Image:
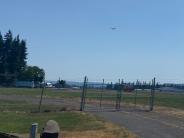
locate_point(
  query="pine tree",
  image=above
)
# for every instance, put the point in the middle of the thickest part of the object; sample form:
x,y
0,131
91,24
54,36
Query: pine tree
x,y
1,59
22,55
13,55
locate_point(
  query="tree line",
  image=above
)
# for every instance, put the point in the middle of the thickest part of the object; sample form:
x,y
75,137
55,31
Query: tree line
x,y
13,65
131,86
141,85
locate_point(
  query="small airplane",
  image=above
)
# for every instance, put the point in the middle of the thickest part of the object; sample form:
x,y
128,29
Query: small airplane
x,y
113,28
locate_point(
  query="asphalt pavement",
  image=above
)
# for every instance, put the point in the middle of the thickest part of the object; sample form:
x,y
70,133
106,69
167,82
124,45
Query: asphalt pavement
x,y
146,124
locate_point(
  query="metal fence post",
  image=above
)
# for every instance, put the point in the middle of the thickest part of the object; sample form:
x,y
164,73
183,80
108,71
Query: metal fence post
x,y
152,98
121,90
101,94
118,98
135,98
33,131
83,94
41,97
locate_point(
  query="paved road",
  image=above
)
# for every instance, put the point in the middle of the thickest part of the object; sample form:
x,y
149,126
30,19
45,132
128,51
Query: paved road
x,y
147,124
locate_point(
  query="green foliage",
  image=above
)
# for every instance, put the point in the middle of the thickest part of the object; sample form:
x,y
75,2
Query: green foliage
x,y
109,86
13,55
61,84
32,73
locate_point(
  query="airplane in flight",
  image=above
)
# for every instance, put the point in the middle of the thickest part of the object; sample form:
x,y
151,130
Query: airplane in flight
x,y
113,28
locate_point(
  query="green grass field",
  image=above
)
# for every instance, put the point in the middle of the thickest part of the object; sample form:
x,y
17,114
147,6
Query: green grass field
x,y
16,115
161,99
170,100
18,122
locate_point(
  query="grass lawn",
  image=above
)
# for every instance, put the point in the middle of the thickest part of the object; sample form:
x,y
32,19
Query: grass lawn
x,y
20,122
16,116
22,106
161,99
72,124
170,100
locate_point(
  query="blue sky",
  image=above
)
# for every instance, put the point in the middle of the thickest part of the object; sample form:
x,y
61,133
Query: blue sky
x,y
72,38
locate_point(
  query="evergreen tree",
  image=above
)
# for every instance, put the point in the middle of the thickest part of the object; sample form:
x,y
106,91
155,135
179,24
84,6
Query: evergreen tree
x,y
1,59
22,55
13,53
32,73
7,57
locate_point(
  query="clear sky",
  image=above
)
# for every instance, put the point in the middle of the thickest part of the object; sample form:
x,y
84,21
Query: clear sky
x,y
73,38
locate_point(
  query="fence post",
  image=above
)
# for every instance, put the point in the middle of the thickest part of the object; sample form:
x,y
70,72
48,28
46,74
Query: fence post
x,y
85,91
40,103
135,99
83,94
120,91
33,131
101,93
118,98
152,98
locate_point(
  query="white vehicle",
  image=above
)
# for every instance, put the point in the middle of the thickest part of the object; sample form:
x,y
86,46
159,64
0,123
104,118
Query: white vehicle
x,y
49,85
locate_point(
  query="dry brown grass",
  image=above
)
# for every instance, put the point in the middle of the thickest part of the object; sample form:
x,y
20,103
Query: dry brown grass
x,y
110,131
170,111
